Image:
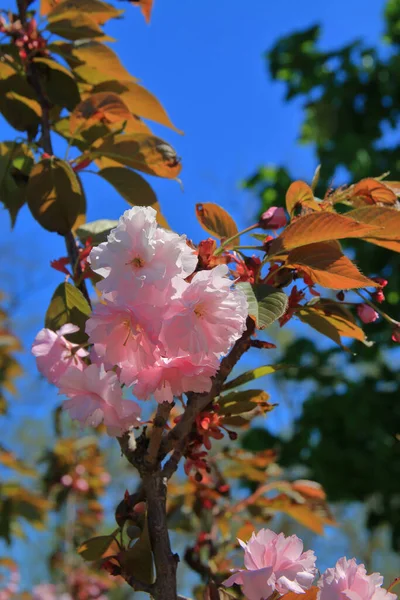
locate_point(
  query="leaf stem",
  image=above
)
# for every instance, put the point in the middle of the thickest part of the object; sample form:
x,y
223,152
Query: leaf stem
x,y
226,243
377,309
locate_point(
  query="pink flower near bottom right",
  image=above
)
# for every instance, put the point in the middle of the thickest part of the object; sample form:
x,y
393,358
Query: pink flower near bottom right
x,y
349,580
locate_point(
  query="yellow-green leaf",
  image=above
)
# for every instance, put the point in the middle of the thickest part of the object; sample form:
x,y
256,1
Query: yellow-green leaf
x,y
138,560
251,375
55,196
94,548
68,305
100,12
98,63
97,231
16,161
74,25
217,221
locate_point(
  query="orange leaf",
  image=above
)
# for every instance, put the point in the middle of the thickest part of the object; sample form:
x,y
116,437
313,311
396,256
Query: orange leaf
x,y
103,106
387,219
312,489
327,266
216,221
371,191
319,227
245,532
394,186
300,194
146,6
333,320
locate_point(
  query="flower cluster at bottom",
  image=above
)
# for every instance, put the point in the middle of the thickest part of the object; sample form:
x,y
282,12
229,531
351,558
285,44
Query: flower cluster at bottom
x,y
277,564
160,327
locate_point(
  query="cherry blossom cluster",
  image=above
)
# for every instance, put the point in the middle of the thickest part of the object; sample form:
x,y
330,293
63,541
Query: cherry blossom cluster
x,y
160,328
275,564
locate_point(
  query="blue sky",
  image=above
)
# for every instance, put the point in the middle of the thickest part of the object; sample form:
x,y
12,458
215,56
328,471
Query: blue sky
x,y
203,59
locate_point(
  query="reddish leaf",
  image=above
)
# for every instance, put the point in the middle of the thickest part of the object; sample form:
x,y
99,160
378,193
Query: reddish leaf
x,y
310,594
146,6
300,194
387,219
371,191
319,227
216,221
327,266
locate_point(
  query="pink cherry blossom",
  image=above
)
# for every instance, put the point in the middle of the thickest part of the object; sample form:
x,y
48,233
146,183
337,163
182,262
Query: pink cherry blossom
x,y
273,218
274,563
207,315
170,377
366,313
95,396
123,334
350,580
55,354
137,254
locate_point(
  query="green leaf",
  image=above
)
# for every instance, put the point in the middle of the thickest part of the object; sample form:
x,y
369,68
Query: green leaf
x,y
55,196
266,303
18,100
16,161
252,374
94,548
138,560
59,83
68,305
96,230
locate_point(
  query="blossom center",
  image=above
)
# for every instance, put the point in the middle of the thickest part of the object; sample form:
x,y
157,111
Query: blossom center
x,y
137,262
199,310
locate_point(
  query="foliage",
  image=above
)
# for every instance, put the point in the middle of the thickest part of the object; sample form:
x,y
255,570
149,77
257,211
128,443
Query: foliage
x,y
102,116
350,113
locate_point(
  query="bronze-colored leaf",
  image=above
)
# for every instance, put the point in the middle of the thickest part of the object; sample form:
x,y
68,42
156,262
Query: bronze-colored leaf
x,y
319,227
387,222
99,11
325,264
103,106
54,195
300,195
145,153
217,221
140,101
98,63
372,191
59,83
18,100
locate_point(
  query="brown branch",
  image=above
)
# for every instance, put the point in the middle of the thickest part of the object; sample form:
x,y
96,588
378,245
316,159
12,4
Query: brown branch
x,y
172,464
198,402
155,486
159,423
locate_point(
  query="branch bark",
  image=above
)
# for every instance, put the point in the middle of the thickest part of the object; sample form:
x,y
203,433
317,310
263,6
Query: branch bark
x,y
155,486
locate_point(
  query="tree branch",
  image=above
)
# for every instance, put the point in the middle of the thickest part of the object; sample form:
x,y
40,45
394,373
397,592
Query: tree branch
x,y
159,422
155,486
198,402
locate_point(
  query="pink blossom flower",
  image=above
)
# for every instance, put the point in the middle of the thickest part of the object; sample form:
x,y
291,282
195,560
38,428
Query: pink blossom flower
x,y
95,396
207,316
54,353
137,254
170,377
274,563
66,480
122,334
366,313
273,218
350,580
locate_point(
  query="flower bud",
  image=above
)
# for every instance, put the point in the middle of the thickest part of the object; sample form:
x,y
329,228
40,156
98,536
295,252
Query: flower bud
x,y
273,218
366,313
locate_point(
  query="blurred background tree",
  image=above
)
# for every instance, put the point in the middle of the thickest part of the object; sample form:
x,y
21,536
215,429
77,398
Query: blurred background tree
x,y
346,436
